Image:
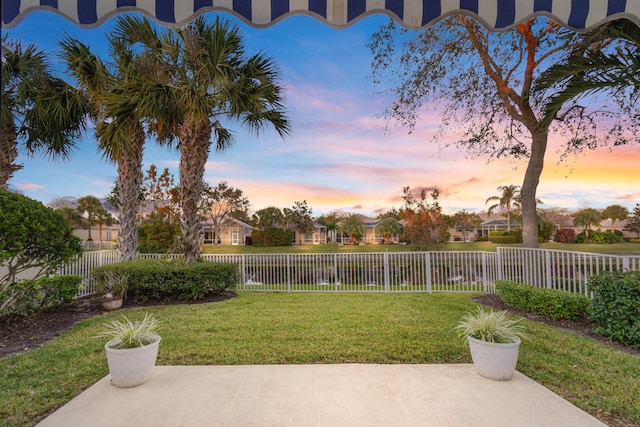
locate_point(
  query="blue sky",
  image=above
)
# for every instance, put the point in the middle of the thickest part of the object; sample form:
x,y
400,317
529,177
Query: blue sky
x,y
339,156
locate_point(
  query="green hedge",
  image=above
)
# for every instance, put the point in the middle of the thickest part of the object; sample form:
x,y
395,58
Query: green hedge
x,y
29,296
616,306
504,239
549,303
513,236
272,237
174,279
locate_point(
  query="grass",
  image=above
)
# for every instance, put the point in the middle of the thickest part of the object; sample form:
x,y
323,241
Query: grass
x,y
274,328
618,248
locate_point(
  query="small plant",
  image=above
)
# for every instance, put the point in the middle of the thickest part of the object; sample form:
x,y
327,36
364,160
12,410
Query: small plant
x,y
113,284
131,334
492,326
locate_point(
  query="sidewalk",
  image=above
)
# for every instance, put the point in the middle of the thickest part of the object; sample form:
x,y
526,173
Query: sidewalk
x,y
321,395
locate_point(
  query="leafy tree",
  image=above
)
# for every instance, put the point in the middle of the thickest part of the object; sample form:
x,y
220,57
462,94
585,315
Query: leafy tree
x,y
92,207
633,222
614,213
288,217
467,222
353,226
202,76
67,210
587,218
485,80
38,109
219,204
302,218
425,223
606,59
116,108
508,200
388,228
160,194
158,234
34,240
391,213
270,217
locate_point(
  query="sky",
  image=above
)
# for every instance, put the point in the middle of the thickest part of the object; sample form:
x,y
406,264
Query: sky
x,y
342,155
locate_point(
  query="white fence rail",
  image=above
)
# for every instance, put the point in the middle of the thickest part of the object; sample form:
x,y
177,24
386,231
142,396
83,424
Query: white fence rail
x,y
452,271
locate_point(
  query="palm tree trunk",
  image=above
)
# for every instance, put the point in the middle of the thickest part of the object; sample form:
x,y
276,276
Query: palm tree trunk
x,y
129,184
8,153
194,152
529,187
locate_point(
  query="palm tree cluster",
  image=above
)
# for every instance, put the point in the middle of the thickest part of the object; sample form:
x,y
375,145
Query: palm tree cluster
x,y
183,87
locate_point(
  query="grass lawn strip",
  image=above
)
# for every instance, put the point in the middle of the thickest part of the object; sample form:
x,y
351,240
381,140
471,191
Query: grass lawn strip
x,y
281,328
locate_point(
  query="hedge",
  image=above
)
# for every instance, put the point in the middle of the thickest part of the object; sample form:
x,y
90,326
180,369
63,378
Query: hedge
x,y
550,303
29,296
616,306
272,237
174,279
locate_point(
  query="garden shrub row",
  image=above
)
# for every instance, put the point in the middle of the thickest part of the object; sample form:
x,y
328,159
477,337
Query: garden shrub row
x,y
549,303
272,237
164,280
616,306
601,237
25,297
503,237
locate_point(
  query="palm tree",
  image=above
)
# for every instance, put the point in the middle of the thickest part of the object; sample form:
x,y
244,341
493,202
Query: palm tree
x,y
509,200
92,206
587,218
353,226
120,129
203,76
592,69
614,213
387,228
39,109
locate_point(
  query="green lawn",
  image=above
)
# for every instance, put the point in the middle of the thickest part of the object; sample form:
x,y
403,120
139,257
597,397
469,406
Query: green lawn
x,y
271,328
618,248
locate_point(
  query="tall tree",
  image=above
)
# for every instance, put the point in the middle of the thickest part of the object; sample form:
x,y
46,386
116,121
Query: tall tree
x,y
614,213
508,200
425,223
116,108
633,222
587,218
219,204
92,207
203,76
302,218
485,81
270,217
467,222
353,226
39,112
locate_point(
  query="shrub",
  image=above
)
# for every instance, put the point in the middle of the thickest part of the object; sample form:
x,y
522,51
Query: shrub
x,y
550,303
513,236
616,306
566,235
29,296
272,237
604,238
174,279
158,235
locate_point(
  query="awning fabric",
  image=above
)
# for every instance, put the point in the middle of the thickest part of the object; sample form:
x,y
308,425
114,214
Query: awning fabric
x,y
494,14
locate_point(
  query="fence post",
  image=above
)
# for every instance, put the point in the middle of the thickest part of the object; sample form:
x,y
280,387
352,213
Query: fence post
x,y
386,271
427,269
547,261
626,266
500,272
242,271
288,272
484,271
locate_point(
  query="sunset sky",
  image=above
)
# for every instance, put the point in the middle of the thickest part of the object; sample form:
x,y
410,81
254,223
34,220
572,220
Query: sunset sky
x,y
340,156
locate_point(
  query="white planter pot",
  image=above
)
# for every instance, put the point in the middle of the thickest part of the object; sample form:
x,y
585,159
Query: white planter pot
x,y
130,367
494,361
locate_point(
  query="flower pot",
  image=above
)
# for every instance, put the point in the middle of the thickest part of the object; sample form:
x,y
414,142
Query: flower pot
x,y
130,367
494,361
112,303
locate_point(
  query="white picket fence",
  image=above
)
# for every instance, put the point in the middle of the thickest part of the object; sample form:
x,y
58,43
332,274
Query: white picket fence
x,y
450,271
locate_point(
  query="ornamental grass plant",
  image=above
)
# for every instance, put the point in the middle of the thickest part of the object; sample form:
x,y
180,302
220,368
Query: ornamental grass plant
x,y
131,334
490,326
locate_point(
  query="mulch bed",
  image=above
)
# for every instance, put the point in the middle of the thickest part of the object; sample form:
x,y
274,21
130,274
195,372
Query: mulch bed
x,y
25,334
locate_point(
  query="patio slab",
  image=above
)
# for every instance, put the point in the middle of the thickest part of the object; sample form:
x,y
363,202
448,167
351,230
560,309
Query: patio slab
x,y
321,395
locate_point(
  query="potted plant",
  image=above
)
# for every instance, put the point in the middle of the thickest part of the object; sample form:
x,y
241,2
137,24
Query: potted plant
x,y
494,341
113,286
132,350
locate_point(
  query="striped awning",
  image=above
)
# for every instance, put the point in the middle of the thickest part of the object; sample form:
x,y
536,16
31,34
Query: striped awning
x,y
494,14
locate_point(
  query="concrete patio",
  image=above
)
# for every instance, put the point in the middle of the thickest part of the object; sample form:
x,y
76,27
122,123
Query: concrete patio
x,y
321,395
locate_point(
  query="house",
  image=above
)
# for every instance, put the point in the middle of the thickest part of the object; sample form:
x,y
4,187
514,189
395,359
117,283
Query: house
x,y
371,232
104,237
231,232
316,237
